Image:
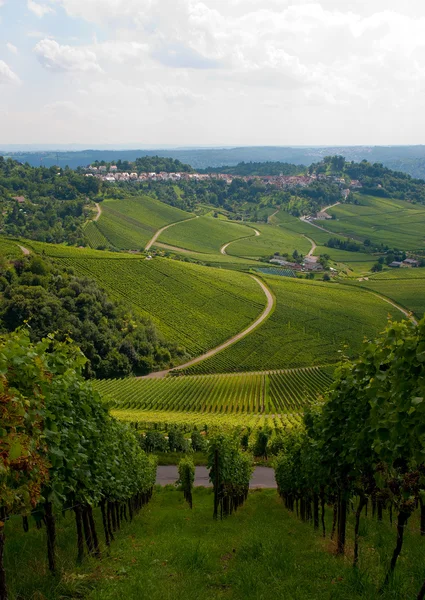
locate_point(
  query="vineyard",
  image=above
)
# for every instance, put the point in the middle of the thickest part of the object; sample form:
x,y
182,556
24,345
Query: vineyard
x,y
205,235
94,236
271,239
394,222
9,248
196,307
404,286
312,324
131,223
264,393
280,272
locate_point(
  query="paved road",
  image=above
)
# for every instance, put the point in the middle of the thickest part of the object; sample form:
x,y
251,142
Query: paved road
x,y
269,307
223,248
263,477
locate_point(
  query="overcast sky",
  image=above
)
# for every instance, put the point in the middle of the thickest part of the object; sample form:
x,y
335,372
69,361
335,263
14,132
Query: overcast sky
x,y
212,72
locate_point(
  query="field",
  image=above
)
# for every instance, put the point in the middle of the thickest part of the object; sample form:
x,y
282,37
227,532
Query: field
x,y
94,236
404,286
169,551
312,324
272,239
196,307
205,234
395,223
131,223
267,393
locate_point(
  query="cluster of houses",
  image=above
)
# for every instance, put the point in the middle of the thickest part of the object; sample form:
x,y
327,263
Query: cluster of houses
x,y
407,262
112,174
310,264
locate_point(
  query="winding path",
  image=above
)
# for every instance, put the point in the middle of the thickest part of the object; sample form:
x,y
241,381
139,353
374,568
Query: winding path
x,y
406,313
269,219
25,250
158,233
266,312
313,245
99,212
223,248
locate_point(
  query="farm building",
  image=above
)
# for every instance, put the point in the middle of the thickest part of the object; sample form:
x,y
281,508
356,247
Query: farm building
x,y
411,262
395,264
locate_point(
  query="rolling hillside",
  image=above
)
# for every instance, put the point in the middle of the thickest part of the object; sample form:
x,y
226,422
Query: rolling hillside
x,y
129,224
312,324
395,223
206,234
197,307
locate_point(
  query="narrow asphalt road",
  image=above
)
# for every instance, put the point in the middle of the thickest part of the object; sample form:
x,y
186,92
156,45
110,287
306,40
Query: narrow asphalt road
x,y
235,338
158,233
25,250
263,477
313,245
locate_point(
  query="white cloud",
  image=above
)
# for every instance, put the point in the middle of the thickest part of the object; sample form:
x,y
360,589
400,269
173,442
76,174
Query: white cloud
x,y
56,57
7,76
13,49
38,9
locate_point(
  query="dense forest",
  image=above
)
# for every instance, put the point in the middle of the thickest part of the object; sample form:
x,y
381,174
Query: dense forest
x,y
258,168
44,204
148,164
47,298
376,179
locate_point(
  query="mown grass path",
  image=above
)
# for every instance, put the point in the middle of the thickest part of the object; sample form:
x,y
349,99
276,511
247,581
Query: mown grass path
x,y
158,233
99,212
266,312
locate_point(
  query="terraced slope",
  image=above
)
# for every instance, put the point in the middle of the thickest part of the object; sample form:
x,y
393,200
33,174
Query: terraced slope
x,y
405,286
396,223
94,236
217,399
128,224
9,248
197,307
206,234
312,323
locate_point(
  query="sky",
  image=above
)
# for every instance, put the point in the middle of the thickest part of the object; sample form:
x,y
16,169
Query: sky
x,y
212,72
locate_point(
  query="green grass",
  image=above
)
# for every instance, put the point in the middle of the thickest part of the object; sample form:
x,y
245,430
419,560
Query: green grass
x,y
311,324
274,393
396,223
194,306
205,234
130,223
404,286
272,239
262,552
10,248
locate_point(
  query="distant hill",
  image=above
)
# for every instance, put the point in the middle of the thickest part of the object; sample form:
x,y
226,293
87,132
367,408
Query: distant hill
x,y
409,159
258,168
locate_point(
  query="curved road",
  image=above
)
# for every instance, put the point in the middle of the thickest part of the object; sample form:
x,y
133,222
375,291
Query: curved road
x,y
223,248
158,233
235,338
263,477
313,245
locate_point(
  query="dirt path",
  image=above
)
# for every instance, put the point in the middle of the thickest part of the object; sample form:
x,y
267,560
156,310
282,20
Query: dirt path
x,y
313,245
263,477
223,248
158,233
269,220
406,313
330,206
99,212
25,250
269,307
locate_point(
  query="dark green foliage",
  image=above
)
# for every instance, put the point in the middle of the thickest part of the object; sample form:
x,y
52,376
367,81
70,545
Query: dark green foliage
x,y
154,441
115,340
186,478
53,205
176,440
198,442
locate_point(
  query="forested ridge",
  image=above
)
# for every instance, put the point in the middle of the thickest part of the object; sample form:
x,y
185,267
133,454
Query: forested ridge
x,y
115,340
